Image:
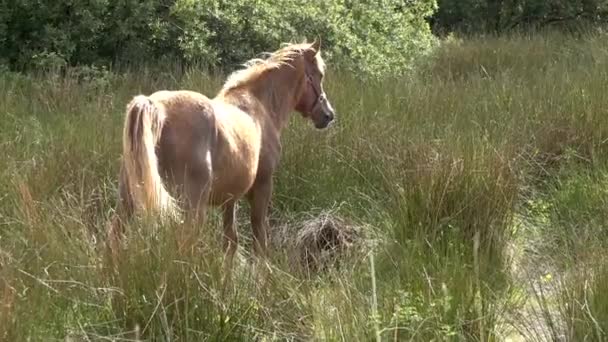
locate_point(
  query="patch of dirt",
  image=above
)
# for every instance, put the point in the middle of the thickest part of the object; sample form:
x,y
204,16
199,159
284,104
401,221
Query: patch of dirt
x,y
539,318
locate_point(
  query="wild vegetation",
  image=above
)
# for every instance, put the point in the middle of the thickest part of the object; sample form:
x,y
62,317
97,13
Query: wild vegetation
x,y
502,16
478,177
211,33
481,180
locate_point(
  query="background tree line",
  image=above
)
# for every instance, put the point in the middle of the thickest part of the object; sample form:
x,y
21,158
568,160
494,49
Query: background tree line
x,y
212,33
371,36
500,16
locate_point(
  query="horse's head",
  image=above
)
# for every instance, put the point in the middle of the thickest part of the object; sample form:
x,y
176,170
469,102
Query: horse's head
x,y
312,101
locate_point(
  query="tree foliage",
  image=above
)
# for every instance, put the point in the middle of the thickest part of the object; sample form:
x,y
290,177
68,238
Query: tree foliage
x,y
498,16
373,36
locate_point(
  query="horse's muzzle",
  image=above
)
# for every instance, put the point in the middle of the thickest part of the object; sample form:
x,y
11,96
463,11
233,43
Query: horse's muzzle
x,y
327,118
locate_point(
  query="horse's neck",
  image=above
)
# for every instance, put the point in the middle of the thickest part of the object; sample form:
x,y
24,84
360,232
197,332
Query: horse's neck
x,y
268,99
267,108
275,95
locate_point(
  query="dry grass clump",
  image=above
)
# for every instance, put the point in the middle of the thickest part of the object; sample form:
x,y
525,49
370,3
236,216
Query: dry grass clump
x,y
317,243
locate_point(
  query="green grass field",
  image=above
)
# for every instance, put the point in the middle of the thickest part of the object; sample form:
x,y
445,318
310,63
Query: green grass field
x,y
481,182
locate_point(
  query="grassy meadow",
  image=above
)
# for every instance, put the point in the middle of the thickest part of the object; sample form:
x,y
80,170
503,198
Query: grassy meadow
x,y
480,181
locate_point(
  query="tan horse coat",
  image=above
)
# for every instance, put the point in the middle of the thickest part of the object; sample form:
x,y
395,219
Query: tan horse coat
x,y
183,151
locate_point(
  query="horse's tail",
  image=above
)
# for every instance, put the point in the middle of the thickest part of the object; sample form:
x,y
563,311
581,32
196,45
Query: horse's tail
x,y
142,129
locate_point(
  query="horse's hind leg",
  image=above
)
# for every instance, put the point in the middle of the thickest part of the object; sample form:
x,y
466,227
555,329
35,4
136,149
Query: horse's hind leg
x,y
231,238
195,194
197,187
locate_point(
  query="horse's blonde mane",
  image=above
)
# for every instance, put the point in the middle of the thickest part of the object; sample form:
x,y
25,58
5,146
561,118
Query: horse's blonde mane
x,y
255,67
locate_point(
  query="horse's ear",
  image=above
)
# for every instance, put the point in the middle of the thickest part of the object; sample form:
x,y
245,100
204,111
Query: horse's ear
x,y
316,44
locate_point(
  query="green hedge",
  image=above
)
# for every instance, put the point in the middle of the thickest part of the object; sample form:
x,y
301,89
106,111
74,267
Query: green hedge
x,y
498,16
375,37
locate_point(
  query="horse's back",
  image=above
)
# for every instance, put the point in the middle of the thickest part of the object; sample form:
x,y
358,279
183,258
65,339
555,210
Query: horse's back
x,y
181,102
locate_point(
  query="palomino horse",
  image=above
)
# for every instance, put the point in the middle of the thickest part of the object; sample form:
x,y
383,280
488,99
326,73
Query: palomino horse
x,y
215,151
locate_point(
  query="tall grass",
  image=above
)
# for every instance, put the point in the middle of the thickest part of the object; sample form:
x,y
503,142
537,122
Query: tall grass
x,y
493,150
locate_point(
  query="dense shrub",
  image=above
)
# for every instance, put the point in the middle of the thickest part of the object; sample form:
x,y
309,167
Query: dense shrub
x,y
373,36
497,16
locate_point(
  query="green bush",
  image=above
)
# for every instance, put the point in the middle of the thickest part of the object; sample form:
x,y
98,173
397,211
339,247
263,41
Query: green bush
x,y
477,16
367,36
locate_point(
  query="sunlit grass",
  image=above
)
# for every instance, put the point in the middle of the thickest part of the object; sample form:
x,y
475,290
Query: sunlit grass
x,y
439,167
